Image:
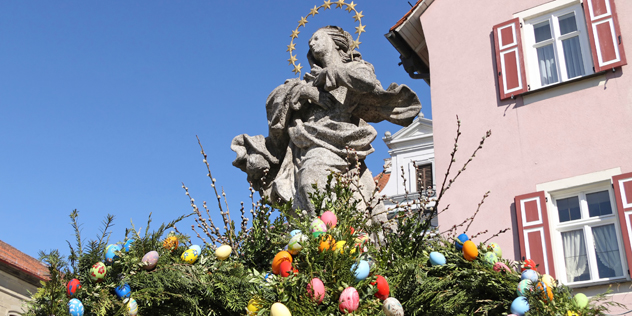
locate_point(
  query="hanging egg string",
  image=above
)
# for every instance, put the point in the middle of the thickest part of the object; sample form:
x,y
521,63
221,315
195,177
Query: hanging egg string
x,y
312,12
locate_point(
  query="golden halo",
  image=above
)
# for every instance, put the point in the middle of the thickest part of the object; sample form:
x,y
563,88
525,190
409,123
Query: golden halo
x,y
326,5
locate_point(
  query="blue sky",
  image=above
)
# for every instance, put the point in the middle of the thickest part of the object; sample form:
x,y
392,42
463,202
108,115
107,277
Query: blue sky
x,y
100,104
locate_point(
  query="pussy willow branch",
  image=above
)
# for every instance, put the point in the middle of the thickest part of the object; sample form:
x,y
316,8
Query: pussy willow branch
x,y
477,210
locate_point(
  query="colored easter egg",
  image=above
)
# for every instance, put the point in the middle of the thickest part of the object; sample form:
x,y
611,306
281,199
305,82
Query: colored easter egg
x,y
529,275
316,290
340,246
294,246
470,252
581,300
128,245
548,280
110,253
123,290
75,307
285,268
392,307
461,239
330,219
361,269
382,287
349,300
278,309
223,251
189,256
254,305
529,264
437,259
571,313
318,227
278,259
495,248
197,249
547,293
170,243
490,258
132,307
520,306
326,242
523,287
499,266
72,287
294,232
97,272
150,259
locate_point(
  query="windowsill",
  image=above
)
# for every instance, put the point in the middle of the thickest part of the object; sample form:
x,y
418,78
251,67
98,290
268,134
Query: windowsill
x,y
558,84
583,284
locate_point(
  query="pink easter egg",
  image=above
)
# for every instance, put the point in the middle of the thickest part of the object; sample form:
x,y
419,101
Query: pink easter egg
x,y
150,259
316,290
349,300
499,266
329,218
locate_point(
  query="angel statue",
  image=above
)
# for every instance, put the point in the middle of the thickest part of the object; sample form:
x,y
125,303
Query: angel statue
x,y
314,123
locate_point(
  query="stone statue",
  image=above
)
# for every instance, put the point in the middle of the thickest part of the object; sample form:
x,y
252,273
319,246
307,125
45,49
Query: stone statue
x,y
313,122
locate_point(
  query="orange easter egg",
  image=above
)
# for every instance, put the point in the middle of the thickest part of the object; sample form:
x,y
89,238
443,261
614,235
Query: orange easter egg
x,y
326,243
470,252
545,289
280,257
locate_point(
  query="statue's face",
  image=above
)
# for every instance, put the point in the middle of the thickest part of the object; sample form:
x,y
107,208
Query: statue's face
x,y
321,43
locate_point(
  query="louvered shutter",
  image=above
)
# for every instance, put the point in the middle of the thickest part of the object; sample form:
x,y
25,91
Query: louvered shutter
x,y
533,231
605,37
623,194
512,80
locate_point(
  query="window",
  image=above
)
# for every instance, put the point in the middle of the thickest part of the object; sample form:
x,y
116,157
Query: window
x,y
588,234
424,178
556,47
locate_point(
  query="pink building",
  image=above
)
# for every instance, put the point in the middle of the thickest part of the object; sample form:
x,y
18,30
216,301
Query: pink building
x,y
550,79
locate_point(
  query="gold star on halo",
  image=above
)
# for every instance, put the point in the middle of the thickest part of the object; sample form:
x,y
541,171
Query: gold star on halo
x,y
360,29
355,44
297,68
350,7
327,4
313,11
294,34
340,3
292,59
302,22
291,47
358,16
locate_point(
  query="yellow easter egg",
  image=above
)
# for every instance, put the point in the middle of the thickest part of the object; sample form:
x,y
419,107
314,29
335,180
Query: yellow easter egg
x,y
339,246
253,306
548,280
223,252
278,309
189,256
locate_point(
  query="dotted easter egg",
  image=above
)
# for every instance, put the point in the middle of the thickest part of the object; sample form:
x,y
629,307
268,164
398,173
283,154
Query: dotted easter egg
x,y
349,300
75,307
470,252
72,287
189,256
316,290
383,289
97,272
278,309
495,248
278,259
318,227
490,258
329,218
461,239
197,249
170,243
150,259
392,307
223,252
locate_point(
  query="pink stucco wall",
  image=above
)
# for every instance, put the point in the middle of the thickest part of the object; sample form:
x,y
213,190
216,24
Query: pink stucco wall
x,y
554,134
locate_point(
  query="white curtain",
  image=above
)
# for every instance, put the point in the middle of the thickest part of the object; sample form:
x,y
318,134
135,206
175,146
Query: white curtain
x,y
548,67
575,254
608,248
573,57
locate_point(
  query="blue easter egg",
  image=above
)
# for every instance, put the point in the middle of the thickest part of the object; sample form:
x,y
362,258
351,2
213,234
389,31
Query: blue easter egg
x,y
462,238
294,232
75,307
529,275
520,306
197,249
437,259
523,287
123,291
127,245
110,254
362,270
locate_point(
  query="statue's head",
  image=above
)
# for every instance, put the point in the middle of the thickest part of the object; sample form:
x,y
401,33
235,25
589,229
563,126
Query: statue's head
x,y
329,39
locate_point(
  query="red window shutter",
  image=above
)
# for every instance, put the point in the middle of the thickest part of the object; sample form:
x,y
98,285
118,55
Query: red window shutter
x,y
512,79
605,37
533,231
623,194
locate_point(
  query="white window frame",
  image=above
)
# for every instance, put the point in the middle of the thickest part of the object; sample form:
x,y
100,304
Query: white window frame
x,y
551,11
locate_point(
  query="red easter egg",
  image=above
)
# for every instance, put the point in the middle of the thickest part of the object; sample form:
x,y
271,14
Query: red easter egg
x,y
529,264
285,268
73,286
382,288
